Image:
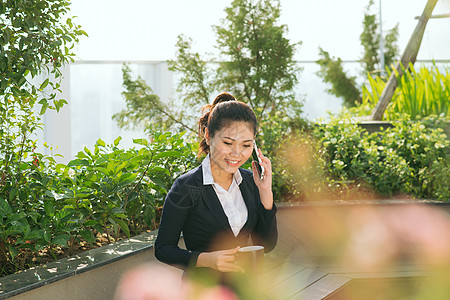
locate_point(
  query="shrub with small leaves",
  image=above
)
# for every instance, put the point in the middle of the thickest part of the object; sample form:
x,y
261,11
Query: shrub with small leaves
x,y
411,158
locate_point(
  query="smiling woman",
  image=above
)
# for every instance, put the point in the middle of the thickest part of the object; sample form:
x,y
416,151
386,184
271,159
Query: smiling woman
x,y
219,207
229,149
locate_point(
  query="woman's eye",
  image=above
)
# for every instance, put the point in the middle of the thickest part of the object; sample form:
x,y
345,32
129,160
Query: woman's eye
x,y
247,146
227,143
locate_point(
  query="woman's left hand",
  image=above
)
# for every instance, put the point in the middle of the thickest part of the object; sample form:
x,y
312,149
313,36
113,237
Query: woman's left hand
x,y
264,185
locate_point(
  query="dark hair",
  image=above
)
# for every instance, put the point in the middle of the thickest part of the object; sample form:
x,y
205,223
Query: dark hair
x,y
224,110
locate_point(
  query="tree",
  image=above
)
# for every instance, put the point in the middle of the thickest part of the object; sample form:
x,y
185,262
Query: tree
x,y
370,40
33,41
144,107
255,62
331,69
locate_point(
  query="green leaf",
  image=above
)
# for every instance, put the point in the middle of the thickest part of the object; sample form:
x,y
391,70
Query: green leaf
x,y
47,236
90,223
87,235
61,239
78,162
60,167
12,193
149,215
122,225
5,208
69,22
15,91
44,84
21,81
160,170
34,216
12,252
49,208
6,35
23,195
104,170
100,142
43,108
117,141
169,153
88,152
143,142
127,178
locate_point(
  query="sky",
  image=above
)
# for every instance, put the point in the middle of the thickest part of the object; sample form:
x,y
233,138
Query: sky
x,y
147,29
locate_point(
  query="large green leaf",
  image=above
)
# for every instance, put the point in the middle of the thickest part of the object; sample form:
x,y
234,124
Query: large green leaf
x,y
168,153
5,208
122,225
78,162
142,142
87,235
61,239
127,178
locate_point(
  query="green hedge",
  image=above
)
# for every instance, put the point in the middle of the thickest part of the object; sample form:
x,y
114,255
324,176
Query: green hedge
x,y
411,158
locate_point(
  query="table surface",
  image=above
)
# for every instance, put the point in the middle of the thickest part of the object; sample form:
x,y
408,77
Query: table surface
x,y
294,278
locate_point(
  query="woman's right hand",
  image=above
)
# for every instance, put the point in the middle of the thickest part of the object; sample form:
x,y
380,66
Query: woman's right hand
x,y
222,260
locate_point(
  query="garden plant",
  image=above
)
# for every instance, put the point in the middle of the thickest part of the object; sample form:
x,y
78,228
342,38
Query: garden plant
x,y
411,159
419,94
49,209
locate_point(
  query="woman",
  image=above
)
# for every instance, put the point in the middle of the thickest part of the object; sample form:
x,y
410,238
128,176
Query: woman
x,y
219,206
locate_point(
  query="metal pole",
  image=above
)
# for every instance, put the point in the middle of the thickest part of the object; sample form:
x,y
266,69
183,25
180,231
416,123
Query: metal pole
x,y
382,69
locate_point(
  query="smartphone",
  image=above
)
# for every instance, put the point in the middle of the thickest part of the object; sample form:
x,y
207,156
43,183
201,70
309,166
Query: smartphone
x,y
259,168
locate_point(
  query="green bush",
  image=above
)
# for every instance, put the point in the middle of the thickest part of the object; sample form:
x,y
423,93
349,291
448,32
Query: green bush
x,y
106,190
36,40
411,158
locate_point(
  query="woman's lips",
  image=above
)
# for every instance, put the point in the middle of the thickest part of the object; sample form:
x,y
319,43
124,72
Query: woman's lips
x,y
233,163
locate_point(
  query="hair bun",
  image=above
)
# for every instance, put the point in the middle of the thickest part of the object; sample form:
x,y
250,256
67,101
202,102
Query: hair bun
x,y
206,110
223,97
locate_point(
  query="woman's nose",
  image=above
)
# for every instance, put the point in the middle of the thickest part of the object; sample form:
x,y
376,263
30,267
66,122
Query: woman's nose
x,y
235,151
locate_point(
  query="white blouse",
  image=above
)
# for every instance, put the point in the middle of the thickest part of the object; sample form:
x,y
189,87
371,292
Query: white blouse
x,y
232,201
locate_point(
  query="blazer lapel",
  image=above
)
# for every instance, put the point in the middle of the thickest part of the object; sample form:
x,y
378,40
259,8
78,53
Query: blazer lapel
x,y
249,201
212,202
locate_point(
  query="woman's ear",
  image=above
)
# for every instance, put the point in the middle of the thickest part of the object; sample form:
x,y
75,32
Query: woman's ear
x,y
207,136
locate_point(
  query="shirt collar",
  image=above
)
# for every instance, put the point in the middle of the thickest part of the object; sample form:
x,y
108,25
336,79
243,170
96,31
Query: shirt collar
x,y
207,174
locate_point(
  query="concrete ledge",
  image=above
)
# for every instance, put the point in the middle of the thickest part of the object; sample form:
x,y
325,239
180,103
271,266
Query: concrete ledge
x,y
105,265
375,126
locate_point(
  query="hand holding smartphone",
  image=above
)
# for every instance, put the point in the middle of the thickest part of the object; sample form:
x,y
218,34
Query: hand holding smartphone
x,y
259,168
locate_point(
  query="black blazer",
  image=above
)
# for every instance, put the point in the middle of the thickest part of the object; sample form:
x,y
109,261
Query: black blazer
x,y
194,209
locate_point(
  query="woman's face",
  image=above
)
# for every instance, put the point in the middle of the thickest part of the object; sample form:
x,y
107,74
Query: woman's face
x,y
230,147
